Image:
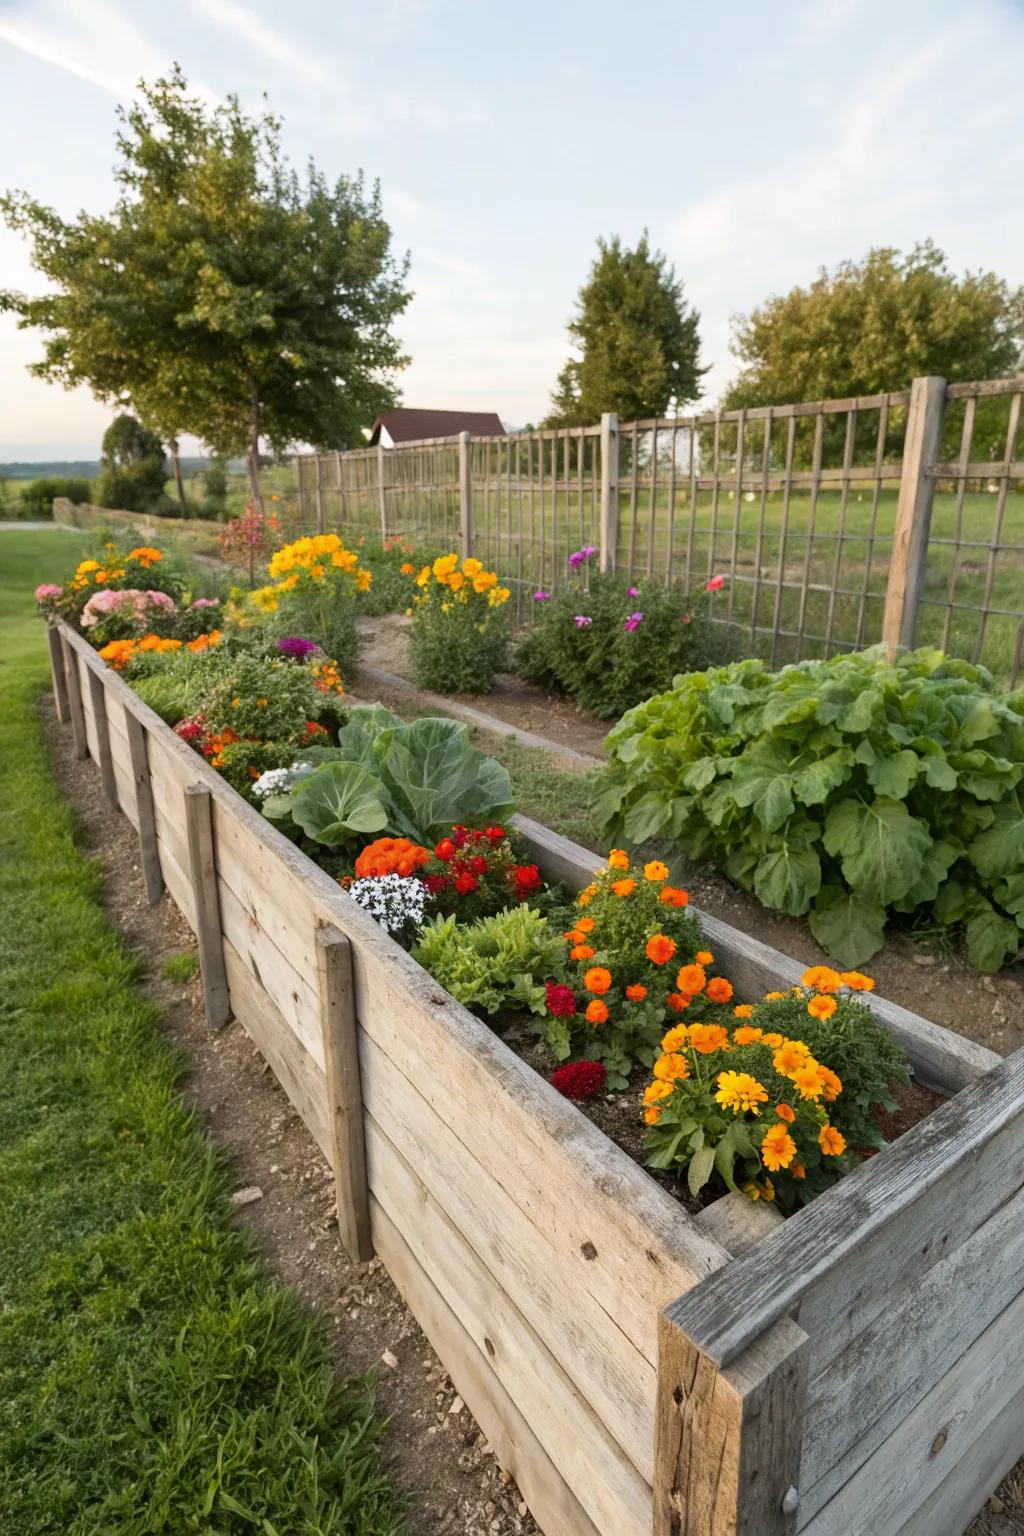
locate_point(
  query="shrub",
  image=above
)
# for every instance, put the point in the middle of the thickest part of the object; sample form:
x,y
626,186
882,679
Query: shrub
x,y
459,634
614,642
850,790
394,565
37,497
313,594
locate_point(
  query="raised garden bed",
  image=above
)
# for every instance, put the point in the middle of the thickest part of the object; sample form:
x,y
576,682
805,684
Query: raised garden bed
x,y
857,1368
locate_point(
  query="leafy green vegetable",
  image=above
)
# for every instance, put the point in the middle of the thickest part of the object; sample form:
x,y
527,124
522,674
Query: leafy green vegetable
x,y
496,963
337,801
850,790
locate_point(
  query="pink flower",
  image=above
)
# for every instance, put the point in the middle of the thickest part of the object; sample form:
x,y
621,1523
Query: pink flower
x,y
161,600
582,621
46,591
633,622
632,591
542,597
687,619
714,584
206,602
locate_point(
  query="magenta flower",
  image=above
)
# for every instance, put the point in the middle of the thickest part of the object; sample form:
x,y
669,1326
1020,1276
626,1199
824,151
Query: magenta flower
x,y
542,597
633,622
582,621
295,647
632,591
714,584
578,556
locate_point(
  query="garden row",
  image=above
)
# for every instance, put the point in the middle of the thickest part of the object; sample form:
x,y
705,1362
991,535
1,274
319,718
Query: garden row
x,y
537,1255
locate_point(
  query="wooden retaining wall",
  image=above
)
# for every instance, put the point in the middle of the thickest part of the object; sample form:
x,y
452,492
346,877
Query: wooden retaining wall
x,y
578,1308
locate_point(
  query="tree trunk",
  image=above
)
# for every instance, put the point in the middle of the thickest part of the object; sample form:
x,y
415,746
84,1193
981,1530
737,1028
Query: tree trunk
x,y
176,472
254,452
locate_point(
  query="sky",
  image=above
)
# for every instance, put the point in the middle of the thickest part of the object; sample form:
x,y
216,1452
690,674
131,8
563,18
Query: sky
x,y
755,143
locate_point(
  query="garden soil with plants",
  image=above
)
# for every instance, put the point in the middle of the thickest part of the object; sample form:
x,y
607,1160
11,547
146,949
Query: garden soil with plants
x,y
433,1449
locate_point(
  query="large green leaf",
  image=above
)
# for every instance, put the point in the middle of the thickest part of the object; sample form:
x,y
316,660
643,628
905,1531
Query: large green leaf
x,y
362,737
881,847
895,775
849,929
991,939
789,876
763,780
813,784
339,801
436,777
1000,851
938,861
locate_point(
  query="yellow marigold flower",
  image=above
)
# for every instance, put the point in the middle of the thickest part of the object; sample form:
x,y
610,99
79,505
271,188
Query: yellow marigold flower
x,y
455,581
831,1084
364,580
752,1191
778,1148
774,997
774,1040
691,978
789,1056
472,567
856,981
704,957
831,1141
767,1189
586,896
623,887
656,870
706,1038
618,859
747,1034
740,1091
444,565
676,1037
808,1080
743,1011
423,579
671,1069
485,581
661,1088
821,978
821,1007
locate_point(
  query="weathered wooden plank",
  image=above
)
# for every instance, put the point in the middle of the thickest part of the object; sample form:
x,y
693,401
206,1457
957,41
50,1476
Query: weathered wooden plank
x,y
608,538
102,729
727,1461
986,388
940,1059
607,1485
61,701
344,1094
149,852
913,513
604,1361
933,1472
203,869
508,1431
73,682
738,1222
292,991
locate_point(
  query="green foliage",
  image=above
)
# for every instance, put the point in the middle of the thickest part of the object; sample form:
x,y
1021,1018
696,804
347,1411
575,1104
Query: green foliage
x,y
639,340
496,963
459,637
155,1378
215,491
604,666
393,588
338,802
132,471
258,696
849,790
37,497
180,968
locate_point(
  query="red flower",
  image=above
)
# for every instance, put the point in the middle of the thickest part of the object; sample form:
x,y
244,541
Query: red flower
x,y
579,1079
435,883
560,1000
496,834
477,865
464,884
460,836
445,850
315,729
527,878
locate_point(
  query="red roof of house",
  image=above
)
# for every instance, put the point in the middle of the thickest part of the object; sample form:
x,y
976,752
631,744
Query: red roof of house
x,y
409,426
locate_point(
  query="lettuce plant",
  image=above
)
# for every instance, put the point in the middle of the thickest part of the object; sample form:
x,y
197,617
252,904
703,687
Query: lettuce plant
x,y
850,790
495,963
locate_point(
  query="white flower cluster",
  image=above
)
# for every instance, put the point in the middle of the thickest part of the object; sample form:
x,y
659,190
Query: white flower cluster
x,y
278,781
396,902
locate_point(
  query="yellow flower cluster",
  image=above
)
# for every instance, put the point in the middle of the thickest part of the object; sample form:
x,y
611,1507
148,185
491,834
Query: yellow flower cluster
x,y
94,573
312,556
462,580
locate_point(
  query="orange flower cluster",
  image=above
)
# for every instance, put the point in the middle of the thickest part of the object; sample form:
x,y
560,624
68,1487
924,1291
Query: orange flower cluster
x,y
391,856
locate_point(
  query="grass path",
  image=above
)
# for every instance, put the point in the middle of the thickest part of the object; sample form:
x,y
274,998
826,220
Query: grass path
x,y
153,1378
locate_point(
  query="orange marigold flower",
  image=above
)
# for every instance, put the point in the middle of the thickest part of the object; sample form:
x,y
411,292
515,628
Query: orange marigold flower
x,y
778,1148
597,1013
652,1115
672,896
692,979
671,1069
808,1081
679,1001
574,935
656,870
623,887
676,1038
659,1089
785,1112
856,981
704,957
598,979
581,952
798,1171
660,949
636,993
743,1011
406,568
774,1040
386,855
821,1007
719,990
585,925
618,859
747,1034
831,1141
822,978
831,1084
706,1038
789,1056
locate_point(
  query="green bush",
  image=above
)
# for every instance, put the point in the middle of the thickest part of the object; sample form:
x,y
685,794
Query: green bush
x,y
614,641
37,497
394,566
850,790
459,634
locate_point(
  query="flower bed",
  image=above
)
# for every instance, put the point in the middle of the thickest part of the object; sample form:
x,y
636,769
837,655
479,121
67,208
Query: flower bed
x,y
544,1264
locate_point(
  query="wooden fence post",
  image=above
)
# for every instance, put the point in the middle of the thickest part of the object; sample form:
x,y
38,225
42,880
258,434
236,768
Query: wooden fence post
x,y
149,849
60,684
728,1438
102,728
609,489
299,488
203,869
466,492
345,1099
908,564
382,500
319,494
74,685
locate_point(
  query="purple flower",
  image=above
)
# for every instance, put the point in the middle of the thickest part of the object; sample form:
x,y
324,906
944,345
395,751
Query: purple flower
x,y
578,556
632,591
633,622
295,647
582,621
542,597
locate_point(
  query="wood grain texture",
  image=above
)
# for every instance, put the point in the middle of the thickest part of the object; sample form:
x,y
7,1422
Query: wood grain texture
x,y
98,704
608,526
344,1093
149,851
57,674
203,869
73,683
908,561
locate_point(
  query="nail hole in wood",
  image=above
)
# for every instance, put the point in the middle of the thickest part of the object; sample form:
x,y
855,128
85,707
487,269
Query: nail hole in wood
x,y
938,1442
588,1250
489,1347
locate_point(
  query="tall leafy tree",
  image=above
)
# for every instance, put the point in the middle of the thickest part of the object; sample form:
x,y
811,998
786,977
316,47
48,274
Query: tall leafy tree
x,y
638,340
132,469
223,295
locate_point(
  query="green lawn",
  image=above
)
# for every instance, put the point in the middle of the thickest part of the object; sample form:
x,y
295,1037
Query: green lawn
x,y
153,1378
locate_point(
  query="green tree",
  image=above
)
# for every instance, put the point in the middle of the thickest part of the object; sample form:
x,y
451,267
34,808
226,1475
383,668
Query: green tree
x,y
223,296
872,326
639,342
133,469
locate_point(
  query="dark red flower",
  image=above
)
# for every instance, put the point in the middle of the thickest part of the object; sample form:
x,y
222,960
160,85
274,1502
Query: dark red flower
x,y
460,836
464,884
560,1000
495,834
579,1079
477,865
435,883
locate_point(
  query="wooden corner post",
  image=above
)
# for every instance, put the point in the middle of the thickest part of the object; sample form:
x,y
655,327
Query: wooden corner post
x,y
319,492
60,682
728,1437
73,680
203,869
382,497
466,492
609,535
344,1093
908,564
